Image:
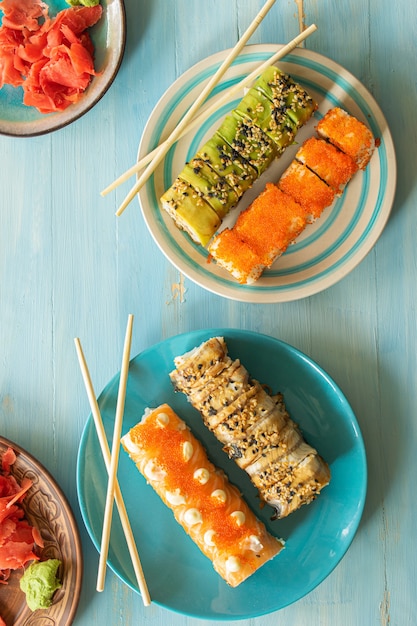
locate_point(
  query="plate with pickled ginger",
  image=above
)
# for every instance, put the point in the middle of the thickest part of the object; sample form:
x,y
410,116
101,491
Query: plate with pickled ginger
x,y
57,60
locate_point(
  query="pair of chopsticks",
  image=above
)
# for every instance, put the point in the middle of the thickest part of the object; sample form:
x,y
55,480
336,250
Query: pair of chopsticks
x,y
111,461
189,121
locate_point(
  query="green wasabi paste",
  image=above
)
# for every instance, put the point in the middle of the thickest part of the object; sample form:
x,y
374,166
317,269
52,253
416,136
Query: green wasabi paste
x,y
39,582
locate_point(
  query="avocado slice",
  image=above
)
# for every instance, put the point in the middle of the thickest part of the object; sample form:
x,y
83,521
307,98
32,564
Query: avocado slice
x,y
190,212
272,120
213,188
286,95
227,162
249,140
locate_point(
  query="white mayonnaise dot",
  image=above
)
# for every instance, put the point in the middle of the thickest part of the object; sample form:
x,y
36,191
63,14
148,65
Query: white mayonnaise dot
x,y
187,450
192,516
175,498
202,475
130,445
239,517
232,564
254,544
208,537
153,471
219,494
162,419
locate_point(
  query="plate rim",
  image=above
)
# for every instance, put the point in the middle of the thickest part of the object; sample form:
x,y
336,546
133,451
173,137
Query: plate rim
x,y
70,115
226,286
236,334
26,457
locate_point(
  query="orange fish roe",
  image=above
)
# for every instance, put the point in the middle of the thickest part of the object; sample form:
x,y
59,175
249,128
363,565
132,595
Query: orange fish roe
x,y
348,134
208,507
307,189
321,169
270,223
236,256
333,166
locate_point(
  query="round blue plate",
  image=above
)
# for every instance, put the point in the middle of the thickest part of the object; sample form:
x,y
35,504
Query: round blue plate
x,y
179,576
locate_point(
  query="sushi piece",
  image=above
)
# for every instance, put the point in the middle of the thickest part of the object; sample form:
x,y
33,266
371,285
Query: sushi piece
x,y
261,234
228,163
212,187
271,223
191,212
287,95
348,134
236,256
255,430
310,191
244,136
274,122
328,162
209,508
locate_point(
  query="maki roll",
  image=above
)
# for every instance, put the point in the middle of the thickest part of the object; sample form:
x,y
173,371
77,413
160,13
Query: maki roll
x,y
236,256
190,212
328,162
348,134
256,132
306,188
208,507
255,429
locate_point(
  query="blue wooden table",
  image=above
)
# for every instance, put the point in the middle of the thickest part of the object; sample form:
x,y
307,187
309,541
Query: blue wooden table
x,y
70,268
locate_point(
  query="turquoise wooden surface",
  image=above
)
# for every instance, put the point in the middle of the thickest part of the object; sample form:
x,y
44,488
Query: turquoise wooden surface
x,y
69,267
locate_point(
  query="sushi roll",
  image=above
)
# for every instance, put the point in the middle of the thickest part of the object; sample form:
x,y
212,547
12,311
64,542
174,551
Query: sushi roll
x,y
286,95
256,432
256,132
227,162
261,234
310,191
271,223
236,256
328,162
258,108
212,187
316,176
208,507
348,134
249,141
191,212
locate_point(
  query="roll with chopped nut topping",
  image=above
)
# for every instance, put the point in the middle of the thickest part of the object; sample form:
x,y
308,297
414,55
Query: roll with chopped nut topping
x,y
254,427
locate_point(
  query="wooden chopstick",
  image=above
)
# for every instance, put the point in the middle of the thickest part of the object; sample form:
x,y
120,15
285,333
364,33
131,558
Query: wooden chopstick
x,y
108,511
107,459
161,150
105,450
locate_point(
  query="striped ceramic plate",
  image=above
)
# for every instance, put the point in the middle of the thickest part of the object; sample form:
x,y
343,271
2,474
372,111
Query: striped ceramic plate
x,y
327,250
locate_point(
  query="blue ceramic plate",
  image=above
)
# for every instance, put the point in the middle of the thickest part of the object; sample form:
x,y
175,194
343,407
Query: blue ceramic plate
x,y
327,250
109,37
317,536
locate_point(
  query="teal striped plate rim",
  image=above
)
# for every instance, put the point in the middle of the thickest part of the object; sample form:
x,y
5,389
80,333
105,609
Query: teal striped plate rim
x,y
327,250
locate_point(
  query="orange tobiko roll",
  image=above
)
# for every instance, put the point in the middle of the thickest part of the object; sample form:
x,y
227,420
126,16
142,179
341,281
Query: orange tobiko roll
x,y
209,508
307,189
270,223
330,164
348,134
